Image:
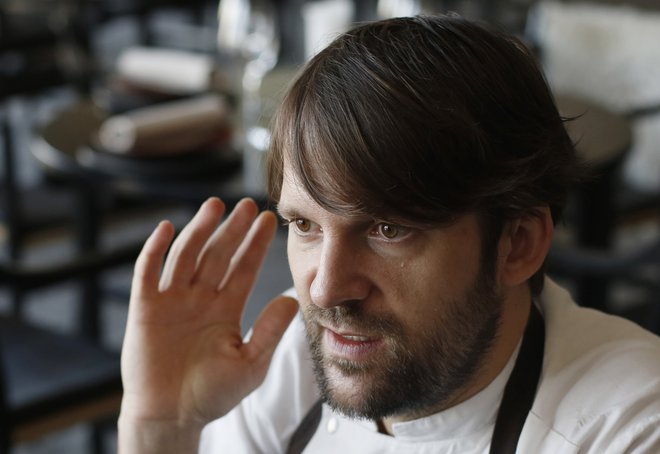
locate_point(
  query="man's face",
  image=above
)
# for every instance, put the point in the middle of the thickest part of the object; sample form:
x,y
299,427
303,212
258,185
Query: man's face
x,y
399,319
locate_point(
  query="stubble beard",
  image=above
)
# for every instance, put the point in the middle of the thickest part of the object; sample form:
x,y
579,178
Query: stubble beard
x,y
421,371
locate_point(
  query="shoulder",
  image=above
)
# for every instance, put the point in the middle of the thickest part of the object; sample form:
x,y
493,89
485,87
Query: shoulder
x,y
601,375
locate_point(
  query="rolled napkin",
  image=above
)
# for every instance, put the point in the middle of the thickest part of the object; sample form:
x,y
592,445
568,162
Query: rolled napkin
x,y
167,70
168,128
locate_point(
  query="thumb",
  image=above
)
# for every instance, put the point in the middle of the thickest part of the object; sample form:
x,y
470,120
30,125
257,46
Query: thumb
x,y
270,327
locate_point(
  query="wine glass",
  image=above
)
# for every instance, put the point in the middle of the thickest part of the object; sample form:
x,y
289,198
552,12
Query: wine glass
x,y
398,8
248,31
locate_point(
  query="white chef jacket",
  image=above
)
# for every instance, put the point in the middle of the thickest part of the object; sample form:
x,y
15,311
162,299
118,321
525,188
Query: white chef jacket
x,y
599,393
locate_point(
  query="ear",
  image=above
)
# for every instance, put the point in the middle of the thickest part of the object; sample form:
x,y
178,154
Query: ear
x,y
523,247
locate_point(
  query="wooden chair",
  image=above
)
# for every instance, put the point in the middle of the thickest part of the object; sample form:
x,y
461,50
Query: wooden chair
x,y
51,380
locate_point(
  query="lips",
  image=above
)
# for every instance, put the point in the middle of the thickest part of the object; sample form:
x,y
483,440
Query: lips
x,y
351,346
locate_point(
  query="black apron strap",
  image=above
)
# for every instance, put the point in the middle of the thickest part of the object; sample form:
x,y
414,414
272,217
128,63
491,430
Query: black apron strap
x,y
305,431
516,403
520,390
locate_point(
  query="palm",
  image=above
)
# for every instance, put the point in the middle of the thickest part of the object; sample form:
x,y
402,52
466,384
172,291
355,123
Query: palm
x,y
184,357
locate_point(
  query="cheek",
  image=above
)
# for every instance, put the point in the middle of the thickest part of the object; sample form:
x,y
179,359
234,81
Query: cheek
x,y
443,272
302,268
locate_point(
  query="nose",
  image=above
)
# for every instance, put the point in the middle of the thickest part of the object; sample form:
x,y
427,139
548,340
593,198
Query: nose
x,y
341,275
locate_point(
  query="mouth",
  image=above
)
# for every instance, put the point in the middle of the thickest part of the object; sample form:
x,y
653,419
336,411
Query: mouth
x,y
350,345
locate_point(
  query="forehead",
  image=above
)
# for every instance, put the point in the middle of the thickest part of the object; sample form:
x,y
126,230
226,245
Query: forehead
x,y
295,201
293,196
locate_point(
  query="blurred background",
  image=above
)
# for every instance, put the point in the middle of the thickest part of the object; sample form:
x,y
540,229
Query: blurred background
x,y
115,114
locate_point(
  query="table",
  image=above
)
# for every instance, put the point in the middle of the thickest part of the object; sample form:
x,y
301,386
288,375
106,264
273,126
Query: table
x,y
64,151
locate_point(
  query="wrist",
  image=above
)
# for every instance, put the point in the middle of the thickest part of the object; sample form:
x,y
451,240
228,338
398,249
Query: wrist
x,y
142,436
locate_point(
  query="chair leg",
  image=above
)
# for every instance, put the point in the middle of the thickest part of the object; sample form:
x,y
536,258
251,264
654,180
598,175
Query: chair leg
x,y
654,315
5,430
97,438
595,231
100,431
10,199
17,297
87,233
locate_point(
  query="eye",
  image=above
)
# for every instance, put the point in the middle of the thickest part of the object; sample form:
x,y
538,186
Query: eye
x,y
389,231
302,225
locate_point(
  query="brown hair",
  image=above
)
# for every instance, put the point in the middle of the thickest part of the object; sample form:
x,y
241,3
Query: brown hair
x,y
425,119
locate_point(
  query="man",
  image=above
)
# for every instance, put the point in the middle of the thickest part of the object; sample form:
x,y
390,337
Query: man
x,y
420,165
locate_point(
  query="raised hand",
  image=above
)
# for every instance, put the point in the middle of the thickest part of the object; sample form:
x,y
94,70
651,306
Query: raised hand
x,y
184,362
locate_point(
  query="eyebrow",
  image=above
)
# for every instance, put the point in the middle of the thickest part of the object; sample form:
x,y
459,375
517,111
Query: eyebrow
x,y
286,212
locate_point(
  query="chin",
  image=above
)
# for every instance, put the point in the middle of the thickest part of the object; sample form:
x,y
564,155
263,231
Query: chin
x,y
355,393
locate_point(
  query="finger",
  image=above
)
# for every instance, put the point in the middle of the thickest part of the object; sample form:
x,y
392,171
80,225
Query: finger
x,y
269,329
218,251
182,259
148,264
246,264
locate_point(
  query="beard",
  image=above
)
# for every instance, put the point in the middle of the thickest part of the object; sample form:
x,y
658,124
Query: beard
x,y
423,367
